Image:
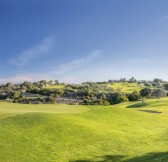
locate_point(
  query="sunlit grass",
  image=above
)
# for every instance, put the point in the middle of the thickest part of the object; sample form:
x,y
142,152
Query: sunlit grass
x,y
55,87
63,133
125,87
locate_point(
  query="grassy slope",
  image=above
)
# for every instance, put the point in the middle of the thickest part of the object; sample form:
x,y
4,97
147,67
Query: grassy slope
x,y
125,87
92,133
160,105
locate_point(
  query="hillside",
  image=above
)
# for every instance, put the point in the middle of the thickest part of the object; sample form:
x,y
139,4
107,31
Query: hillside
x,y
126,87
88,93
64,133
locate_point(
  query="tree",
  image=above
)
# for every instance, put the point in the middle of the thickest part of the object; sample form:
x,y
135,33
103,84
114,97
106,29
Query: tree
x,y
103,97
157,80
9,84
50,82
57,82
27,84
43,82
123,80
145,92
166,86
134,96
51,99
115,98
132,80
159,92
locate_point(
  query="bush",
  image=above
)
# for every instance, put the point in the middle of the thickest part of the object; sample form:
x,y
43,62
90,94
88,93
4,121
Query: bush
x,y
134,96
51,99
159,92
115,98
104,103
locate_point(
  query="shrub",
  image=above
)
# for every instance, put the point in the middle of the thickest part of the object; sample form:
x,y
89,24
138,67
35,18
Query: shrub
x,y
160,92
133,96
51,99
115,98
104,103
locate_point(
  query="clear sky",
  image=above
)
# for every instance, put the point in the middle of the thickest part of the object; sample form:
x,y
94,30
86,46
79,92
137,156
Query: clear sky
x,y
83,40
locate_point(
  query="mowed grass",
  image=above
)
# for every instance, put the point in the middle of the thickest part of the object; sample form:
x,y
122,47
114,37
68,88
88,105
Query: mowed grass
x,y
41,108
65,133
125,87
160,105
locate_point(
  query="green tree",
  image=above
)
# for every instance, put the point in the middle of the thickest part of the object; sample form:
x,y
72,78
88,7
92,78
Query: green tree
x,y
51,99
57,82
134,96
132,80
115,98
159,92
166,86
103,97
145,92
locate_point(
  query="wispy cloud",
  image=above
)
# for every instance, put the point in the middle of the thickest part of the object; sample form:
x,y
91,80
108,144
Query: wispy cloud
x,y
29,54
31,77
60,73
63,68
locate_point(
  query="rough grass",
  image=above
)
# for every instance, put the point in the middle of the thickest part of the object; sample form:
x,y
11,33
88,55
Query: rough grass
x,y
55,87
125,87
40,133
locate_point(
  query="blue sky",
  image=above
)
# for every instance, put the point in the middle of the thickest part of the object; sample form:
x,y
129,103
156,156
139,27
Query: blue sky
x,y
83,40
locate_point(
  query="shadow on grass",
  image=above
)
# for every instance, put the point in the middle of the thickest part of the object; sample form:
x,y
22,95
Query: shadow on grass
x,y
151,111
138,105
150,157
109,158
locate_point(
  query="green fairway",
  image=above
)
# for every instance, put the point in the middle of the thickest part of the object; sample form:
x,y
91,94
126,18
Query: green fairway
x,y
125,87
46,108
65,133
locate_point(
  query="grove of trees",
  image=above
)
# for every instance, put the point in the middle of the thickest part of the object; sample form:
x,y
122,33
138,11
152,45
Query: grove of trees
x,y
89,93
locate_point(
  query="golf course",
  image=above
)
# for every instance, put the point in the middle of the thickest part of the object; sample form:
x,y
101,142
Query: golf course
x,y
129,132
83,81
